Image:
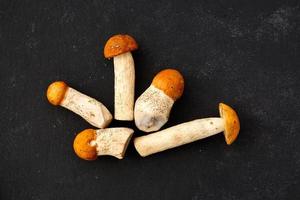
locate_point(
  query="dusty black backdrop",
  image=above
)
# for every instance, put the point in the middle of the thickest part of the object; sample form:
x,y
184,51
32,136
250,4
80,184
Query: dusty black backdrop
x,y
244,53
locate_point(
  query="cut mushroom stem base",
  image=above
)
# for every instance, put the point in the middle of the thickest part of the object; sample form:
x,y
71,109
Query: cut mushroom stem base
x,y
124,86
112,141
178,135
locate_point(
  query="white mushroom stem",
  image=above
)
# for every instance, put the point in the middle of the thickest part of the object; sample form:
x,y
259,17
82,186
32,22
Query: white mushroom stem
x,y
112,141
178,135
152,109
124,86
88,108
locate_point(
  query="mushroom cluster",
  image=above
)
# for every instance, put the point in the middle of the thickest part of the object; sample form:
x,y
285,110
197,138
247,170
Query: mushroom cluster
x,y
150,111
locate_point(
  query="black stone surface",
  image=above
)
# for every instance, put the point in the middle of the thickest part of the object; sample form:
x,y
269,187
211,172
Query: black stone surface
x,y
244,53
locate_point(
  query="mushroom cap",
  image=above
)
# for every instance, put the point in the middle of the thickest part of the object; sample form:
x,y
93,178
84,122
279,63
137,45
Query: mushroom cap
x,y
119,44
82,146
56,92
231,123
171,82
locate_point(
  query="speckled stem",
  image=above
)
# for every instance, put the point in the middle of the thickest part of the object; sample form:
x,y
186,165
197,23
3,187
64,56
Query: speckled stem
x,y
178,135
152,109
112,141
88,108
124,86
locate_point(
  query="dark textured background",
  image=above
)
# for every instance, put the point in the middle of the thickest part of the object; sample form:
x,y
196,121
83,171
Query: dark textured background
x,y
244,53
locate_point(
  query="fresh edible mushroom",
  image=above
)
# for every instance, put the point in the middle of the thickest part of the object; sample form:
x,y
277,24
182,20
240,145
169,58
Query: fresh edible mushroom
x,y
152,108
59,93
90,143
190,131
119,47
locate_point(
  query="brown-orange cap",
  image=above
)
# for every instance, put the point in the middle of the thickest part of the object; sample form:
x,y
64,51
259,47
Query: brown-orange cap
x,y
171,82
56,92
82,146
231,123
119,44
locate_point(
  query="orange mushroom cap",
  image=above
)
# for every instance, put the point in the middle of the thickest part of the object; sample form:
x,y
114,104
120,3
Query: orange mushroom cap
x,y
171,82
82,146
56,92
231,121
119,44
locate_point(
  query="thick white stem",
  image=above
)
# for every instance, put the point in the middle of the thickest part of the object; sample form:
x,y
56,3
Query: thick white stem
x,y
112,141
152,109
124,86
178,135
88,108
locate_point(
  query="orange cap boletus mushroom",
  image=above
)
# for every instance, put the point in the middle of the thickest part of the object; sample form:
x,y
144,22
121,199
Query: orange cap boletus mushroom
x,y
191,131
119,48
90,143
152,108
93,111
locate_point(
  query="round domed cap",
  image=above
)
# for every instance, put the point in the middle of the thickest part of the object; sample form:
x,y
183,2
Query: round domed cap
x,y
56,92
119,44
231,123
82,145
171,82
